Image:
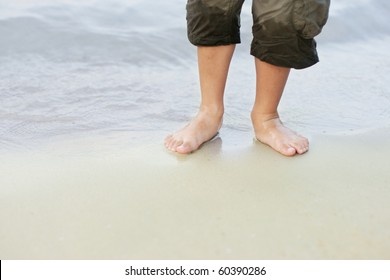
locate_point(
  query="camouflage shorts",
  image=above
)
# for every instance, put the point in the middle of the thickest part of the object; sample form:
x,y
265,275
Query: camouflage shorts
x,y
283,30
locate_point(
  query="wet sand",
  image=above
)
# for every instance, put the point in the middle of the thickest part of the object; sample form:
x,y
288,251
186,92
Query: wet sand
x,y
233,199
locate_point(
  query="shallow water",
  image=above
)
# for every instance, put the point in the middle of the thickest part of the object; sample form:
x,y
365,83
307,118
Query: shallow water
x,y
124,70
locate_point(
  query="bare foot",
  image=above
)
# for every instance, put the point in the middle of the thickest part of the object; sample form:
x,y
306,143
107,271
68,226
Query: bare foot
x,y
200,130
271,131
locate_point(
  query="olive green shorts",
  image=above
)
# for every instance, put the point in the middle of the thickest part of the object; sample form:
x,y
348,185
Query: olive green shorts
x,y
283,30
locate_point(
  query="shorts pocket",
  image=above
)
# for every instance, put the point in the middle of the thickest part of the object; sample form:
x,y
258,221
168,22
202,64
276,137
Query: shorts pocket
x,y
309,16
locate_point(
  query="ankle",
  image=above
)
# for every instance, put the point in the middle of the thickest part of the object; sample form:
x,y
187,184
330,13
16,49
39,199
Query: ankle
x,y
212,111
258,116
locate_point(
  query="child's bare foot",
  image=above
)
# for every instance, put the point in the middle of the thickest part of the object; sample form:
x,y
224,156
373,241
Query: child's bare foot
x,y
200,130
271,131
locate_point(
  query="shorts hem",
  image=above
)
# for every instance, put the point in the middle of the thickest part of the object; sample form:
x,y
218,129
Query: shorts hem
x,y
216,41
286,61
294,53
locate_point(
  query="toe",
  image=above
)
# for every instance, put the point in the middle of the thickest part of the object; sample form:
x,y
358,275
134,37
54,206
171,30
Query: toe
x,y
304,146
168,140
171,144
175,144
184,149
300,145
301,149
288,150
304,149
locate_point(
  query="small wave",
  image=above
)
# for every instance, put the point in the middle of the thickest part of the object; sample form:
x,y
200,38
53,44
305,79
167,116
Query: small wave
x,y
357,20
32,36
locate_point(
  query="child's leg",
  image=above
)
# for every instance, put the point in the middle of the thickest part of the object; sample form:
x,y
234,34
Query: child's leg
x,y
213,26
270,82
283,38
213,65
